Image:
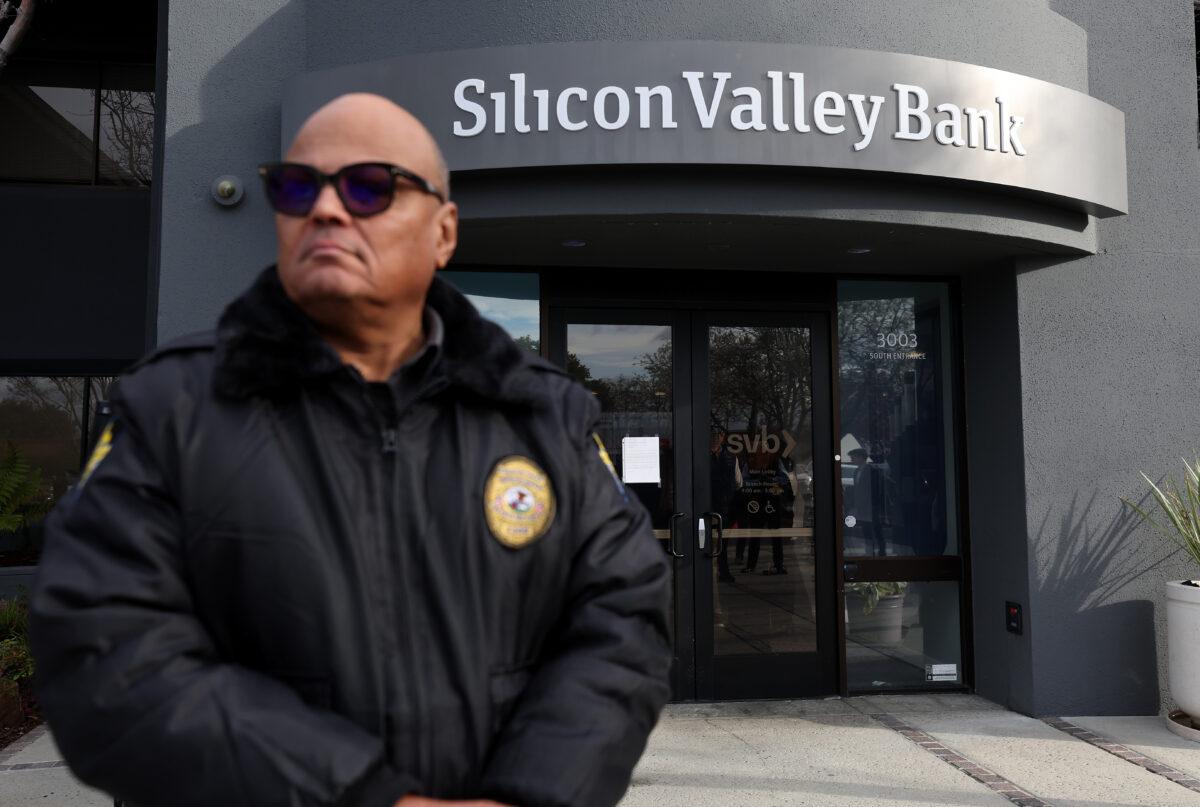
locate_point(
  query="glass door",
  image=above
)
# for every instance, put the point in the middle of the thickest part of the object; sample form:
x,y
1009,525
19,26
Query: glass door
x,y
737,408
632,362
764,579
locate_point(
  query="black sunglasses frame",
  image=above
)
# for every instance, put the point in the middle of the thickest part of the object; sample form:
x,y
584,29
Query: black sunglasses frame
x,y
322,179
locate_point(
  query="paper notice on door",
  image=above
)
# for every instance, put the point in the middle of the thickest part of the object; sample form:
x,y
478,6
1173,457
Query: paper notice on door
x,y
639,460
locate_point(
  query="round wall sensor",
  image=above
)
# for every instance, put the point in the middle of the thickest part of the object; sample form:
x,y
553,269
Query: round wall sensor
x,y
227,190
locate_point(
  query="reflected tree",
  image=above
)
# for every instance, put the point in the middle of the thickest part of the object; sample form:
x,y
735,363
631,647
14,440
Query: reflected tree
x,y
127,118
529,343
62,394
762,377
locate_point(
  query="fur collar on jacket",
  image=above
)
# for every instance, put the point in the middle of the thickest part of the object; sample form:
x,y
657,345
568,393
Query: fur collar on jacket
x,y
267,346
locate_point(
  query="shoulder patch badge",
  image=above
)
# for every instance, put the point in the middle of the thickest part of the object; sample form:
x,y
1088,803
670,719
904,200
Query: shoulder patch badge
x,y
103,446
608,463
518,501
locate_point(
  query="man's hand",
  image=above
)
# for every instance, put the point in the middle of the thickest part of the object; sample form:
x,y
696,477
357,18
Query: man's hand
x,y
421,801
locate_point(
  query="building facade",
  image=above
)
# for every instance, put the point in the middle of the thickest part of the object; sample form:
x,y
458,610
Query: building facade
x,y
886,304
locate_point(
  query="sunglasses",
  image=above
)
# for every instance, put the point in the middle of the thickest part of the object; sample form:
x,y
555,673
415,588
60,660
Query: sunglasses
x,y
364,188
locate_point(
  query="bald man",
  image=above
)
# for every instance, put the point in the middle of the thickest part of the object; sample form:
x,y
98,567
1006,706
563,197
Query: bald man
x,y
356,546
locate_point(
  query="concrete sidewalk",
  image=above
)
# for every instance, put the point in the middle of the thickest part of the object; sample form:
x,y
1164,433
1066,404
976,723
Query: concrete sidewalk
x,y
891,750
907,750
32,772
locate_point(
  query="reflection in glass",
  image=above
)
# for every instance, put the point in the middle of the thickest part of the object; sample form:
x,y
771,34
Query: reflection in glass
x,y
897,440
629,370
760,482
510,299
41,423
902,635
126,137
47,133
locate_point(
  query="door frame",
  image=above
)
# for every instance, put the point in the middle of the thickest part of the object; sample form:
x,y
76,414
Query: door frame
x,y
744,677
694,671
683,667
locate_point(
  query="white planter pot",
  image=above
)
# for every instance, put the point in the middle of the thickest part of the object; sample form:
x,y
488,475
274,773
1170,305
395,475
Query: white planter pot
x,y
1183,647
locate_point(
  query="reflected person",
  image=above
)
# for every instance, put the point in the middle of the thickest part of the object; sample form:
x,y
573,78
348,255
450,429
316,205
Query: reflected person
x,y
869,501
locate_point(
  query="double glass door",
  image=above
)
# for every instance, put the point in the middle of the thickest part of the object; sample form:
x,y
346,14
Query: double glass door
x,y
719,422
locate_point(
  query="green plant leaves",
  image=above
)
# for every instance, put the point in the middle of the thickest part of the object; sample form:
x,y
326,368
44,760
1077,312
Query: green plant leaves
x,y
1179,508
20,488
872,592
16,658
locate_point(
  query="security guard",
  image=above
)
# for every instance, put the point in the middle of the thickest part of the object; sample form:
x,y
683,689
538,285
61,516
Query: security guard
x,y
357,547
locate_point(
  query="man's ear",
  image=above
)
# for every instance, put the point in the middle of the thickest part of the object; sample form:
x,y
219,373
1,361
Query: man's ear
x,y
446,222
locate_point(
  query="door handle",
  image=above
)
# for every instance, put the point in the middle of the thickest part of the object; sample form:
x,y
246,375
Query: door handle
x,y
718,533
671,543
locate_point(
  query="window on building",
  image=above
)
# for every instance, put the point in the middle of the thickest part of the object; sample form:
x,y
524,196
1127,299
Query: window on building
x,y
903,634
44,433
510,299
899,519
80,124
126,126
897,440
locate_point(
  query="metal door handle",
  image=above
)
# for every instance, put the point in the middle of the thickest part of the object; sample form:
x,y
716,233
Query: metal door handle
x,y
671,543
718,533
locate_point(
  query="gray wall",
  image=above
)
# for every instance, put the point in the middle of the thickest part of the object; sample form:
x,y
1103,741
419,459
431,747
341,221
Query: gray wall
x,y
996,485
1109,374
227,62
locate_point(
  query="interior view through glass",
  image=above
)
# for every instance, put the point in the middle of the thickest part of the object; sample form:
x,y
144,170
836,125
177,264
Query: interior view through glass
x,y
897,476
760,484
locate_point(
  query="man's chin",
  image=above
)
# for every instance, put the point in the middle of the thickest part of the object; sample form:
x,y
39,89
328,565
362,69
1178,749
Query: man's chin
x,y
325,281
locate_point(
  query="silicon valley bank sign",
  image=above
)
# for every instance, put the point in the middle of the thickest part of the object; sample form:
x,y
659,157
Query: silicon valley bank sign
x,y
741,104
780,106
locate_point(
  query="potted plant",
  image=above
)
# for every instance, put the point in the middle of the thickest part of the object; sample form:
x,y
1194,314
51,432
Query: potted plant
x,y
1178,518
875,610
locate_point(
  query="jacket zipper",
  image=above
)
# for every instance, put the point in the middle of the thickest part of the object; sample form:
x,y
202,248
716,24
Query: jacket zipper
x,y
424,750
388,444
389,451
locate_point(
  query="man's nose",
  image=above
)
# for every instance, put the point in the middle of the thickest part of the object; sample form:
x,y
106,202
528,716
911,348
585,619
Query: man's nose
x,y
328,206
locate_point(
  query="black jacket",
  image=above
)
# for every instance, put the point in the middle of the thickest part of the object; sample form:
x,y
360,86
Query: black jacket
x,y
271,591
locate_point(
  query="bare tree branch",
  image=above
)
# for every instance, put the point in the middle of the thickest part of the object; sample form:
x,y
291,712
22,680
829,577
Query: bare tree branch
x,y
128,127
61,393
24,17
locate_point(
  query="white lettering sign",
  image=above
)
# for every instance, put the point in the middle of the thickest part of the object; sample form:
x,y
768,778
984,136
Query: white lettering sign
x,y
749,108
